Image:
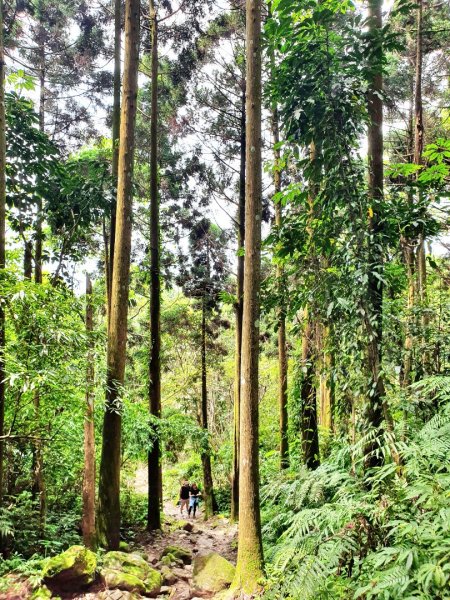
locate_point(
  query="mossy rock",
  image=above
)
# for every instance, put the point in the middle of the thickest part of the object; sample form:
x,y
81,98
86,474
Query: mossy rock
x,y
131,573
124,546
43,593
178,553
72,570
212,573
167,560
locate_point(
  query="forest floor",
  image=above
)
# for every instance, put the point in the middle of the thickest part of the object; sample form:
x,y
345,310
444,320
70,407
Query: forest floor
x,y
205,536
212,535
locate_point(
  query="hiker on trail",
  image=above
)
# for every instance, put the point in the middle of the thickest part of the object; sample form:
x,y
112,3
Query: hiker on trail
x,y
194,499
184,495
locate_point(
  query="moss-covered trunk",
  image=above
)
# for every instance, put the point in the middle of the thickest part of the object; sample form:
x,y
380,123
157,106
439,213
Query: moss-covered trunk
x,y
249,570
2,247
88,520
154,455
108,515
238,312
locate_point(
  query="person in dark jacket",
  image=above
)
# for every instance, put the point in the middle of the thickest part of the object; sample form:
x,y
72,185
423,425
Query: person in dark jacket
x,y
184,495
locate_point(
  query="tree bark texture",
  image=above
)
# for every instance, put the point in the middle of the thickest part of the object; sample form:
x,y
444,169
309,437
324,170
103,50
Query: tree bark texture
x,y
108,515
374,413
88,520
238,313
282,354
419,132
250,561
2,248
109,256
309,429
326,385
154,455
206,450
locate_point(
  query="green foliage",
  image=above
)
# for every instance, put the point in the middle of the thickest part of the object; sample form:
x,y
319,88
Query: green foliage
x,y
327,533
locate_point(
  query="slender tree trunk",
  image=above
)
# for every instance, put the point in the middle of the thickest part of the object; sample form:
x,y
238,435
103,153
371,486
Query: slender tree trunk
x,y
2,248
250,562
88,521
108,515
42,72
154,455
282,355
374,412
206,451
28,260
376,406
109,256
238,312
409,258
419,131
38,489
326,386
309,430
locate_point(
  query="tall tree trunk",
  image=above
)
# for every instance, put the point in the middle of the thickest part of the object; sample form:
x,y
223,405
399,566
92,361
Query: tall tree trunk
x,y
38,489
154,455
376,405
109,255
238,312
42,72
88,521
374,412
108,515
206,451
282,355
308,392
419,131
2,248
250,562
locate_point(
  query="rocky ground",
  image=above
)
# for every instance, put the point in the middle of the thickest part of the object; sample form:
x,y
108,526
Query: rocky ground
x,y
199,537
189,559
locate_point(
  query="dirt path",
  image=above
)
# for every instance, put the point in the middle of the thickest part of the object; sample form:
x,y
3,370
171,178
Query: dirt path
x,y
200,537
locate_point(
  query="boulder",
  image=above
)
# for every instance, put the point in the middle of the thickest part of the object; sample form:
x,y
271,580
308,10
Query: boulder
x,y
212,573
178,553
130,573
72,570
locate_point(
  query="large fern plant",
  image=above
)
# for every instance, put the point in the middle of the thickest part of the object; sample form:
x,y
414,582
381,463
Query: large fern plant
x,y
329,535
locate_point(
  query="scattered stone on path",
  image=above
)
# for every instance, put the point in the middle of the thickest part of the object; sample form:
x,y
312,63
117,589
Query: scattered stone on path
x,y
181,591
169,577
178,553
212,573
131,573
118,595
180,524
124,546
70,571
182,574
